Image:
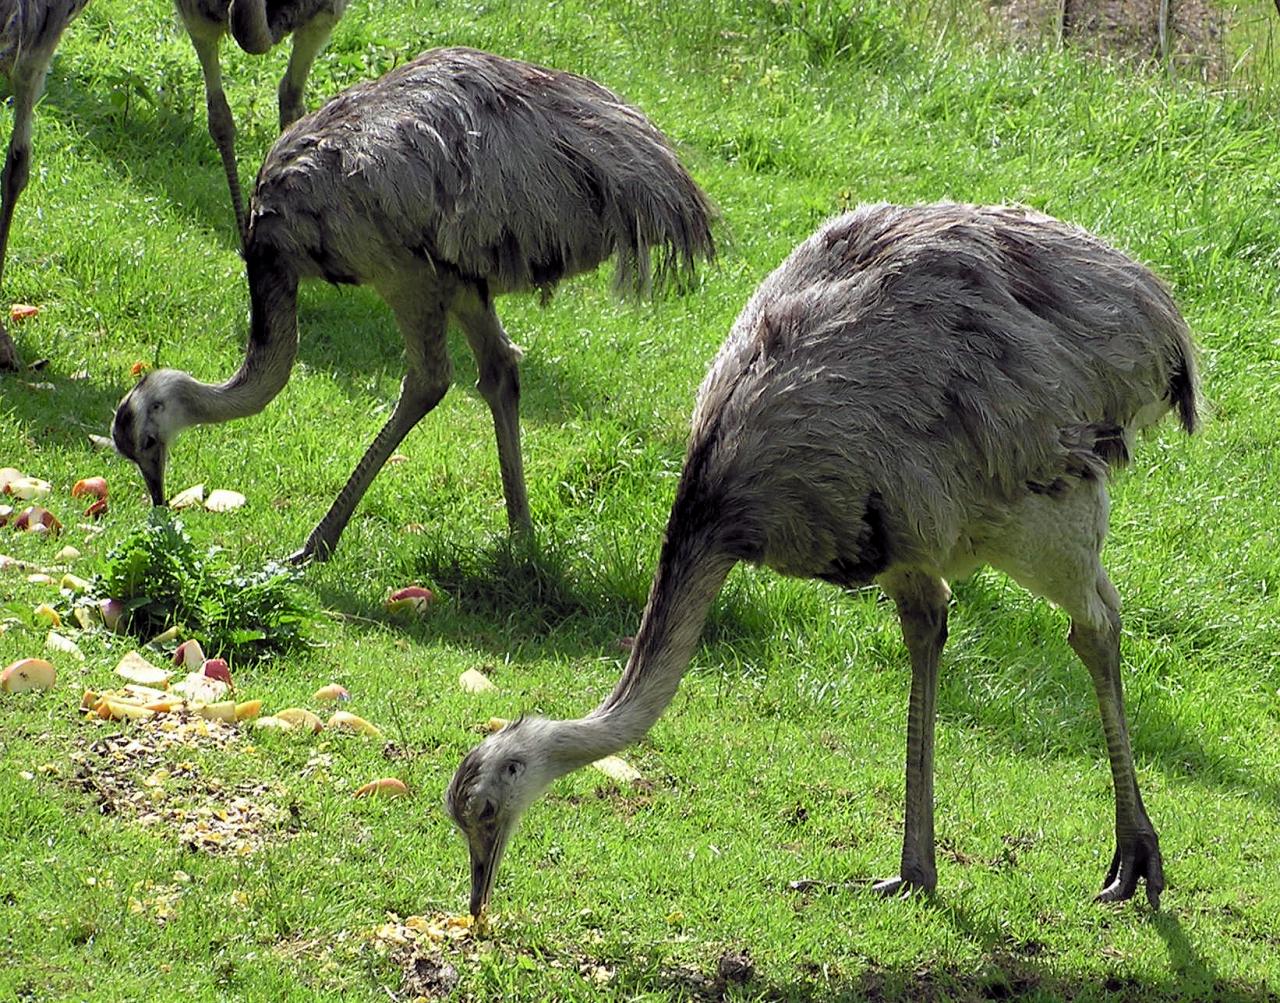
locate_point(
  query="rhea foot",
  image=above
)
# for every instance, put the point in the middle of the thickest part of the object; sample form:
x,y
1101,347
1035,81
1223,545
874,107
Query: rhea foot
x,y
1137,856
899,885
317,549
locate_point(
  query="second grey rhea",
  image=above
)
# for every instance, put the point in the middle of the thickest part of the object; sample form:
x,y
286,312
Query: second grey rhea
x,y
449,181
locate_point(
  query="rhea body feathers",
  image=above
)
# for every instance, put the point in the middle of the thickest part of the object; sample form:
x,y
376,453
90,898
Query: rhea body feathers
x,y
914,392
450,180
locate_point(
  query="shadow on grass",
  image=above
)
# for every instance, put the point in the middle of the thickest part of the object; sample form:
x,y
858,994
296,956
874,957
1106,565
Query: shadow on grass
x,y
1007,971
544,596
348,333
62,417
550,599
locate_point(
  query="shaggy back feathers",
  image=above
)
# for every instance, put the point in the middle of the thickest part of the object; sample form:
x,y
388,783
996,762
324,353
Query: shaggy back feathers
x,y
499,170
909,373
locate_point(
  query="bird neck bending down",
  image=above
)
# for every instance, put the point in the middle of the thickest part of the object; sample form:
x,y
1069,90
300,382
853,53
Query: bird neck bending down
x,y
166,401
507,772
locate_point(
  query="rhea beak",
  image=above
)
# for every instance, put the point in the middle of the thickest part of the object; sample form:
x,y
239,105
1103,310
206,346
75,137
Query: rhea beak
x,y
152,468
486,854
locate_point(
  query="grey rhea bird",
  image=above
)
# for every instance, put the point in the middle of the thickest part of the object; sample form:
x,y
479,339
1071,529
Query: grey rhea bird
x,y
451,180
913,393
256,26
29,32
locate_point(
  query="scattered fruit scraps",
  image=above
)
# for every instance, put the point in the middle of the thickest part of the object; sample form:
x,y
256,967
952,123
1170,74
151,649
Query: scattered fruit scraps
x,y
143,774
435,929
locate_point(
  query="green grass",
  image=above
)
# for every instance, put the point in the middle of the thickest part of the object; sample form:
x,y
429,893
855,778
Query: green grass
x,y
781,756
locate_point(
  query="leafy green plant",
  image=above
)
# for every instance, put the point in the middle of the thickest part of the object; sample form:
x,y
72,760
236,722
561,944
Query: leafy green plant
x,y
163,580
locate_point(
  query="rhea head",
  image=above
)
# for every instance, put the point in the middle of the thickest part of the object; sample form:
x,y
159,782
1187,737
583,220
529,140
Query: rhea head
x,y
495,783
148,419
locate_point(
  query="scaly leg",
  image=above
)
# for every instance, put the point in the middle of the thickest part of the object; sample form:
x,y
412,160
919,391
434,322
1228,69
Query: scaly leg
x,y
499,384
308,40
428,378
1052,546
28,82
1137,846
222,128
922,610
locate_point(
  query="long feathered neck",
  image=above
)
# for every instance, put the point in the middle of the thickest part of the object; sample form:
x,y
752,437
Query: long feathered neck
x,y
269,356
690,574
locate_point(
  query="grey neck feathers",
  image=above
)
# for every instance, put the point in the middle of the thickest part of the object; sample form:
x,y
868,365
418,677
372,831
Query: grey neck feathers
x,y
268,361
688,579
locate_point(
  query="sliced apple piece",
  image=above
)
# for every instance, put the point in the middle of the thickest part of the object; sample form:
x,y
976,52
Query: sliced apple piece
x,y
47,614
74,583
57,642
166,635
137,669
350,722
67,554
37,519
617,769
28,488
387,787
301,718
224,711
327,694
413,599
199,688
112,612
28,674
475,681
119,710
224,500
272,724
248,710
190,498
189,655
93,487
216,668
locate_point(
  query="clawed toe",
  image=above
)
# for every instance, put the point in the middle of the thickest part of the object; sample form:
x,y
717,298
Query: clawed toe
x,y
898,885
1136,858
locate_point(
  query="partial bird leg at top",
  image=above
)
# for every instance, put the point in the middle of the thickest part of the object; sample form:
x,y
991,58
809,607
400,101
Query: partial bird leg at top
x,y
28,82
922,610
497,359
308,40
429,374
206,39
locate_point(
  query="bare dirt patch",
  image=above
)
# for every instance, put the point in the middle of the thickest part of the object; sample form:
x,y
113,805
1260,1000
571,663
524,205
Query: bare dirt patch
x,y
1194,37
149,774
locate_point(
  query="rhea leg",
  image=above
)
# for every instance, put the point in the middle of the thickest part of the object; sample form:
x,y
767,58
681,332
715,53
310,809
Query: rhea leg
x,y
1052,547
28,81
206,39
425,383
1137,853
497,358
922,610
308,40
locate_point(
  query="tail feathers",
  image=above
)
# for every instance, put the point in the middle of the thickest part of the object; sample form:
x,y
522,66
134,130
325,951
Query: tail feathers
x,y
1183,394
